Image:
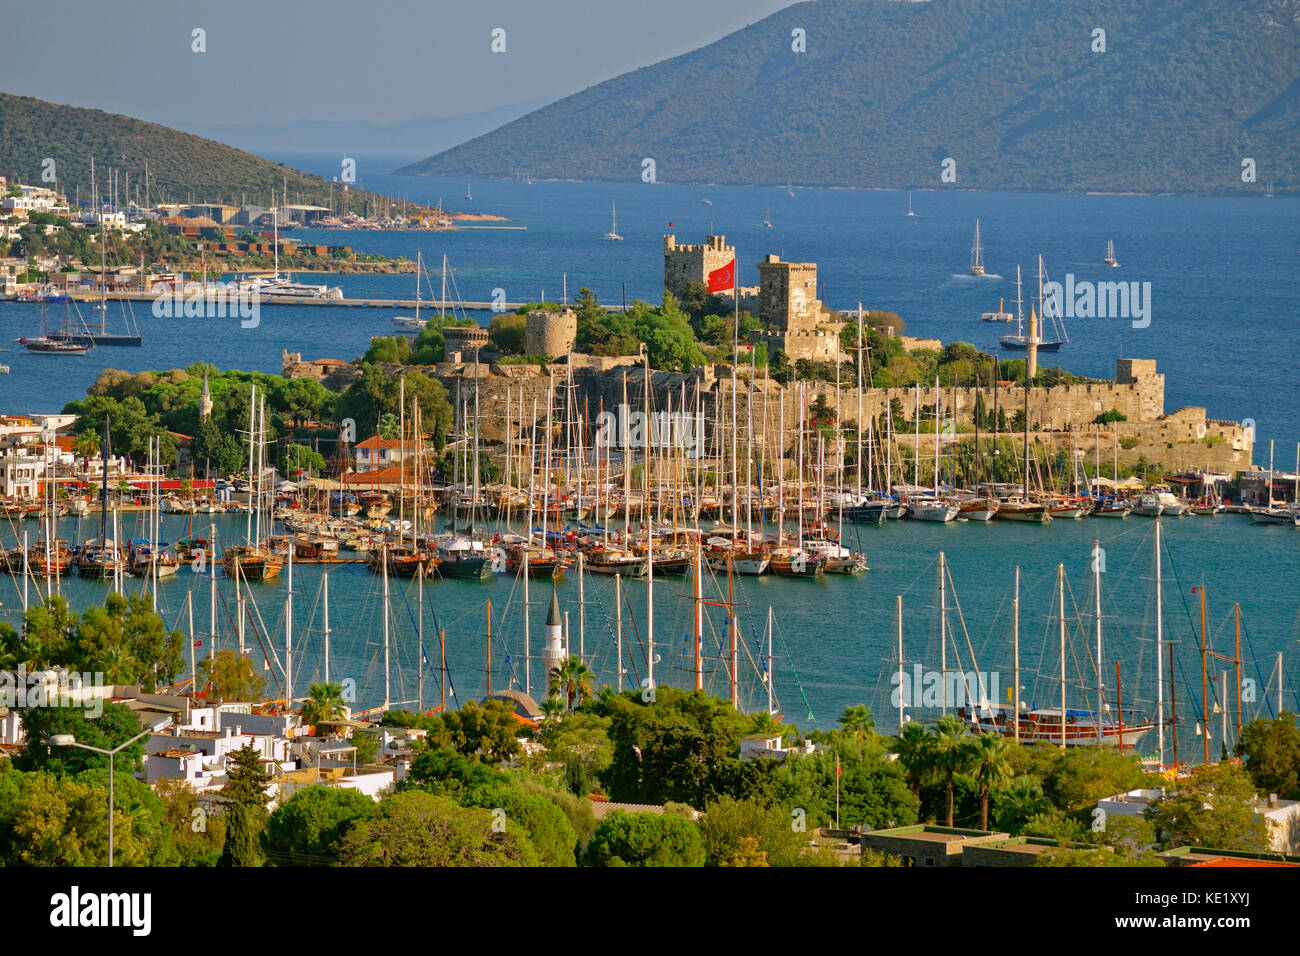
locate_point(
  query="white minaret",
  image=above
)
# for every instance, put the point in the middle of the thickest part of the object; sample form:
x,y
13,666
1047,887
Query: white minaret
x,y
553,649
205,400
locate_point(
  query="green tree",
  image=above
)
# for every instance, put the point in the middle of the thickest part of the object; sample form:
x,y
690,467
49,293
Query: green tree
x,y
245,808
228,676
197,836
485,732
1272,752
951,756
1214,807
915,748
990,765
727,823
413,828
324,703
1020,800
548,829
572,678
857,720
645,839
304,830
116,725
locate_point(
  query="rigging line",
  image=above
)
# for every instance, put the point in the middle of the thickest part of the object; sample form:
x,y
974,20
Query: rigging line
x,y
415,624
798,683
979,676
1258,675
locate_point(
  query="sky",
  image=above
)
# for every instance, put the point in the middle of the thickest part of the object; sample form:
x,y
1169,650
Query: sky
x,y
379,60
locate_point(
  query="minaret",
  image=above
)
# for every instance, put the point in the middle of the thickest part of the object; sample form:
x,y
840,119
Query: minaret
x,y
1031,348
553,649
205,401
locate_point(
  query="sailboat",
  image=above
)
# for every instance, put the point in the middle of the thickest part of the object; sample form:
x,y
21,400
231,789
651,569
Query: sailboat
x,y
102,558
468,192
413,323
1019,342
254,560
976,254
909,205
613,235
1110,259
767,218
67,341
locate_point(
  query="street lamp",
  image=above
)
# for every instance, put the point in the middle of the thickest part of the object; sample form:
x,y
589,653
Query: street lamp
x,y
68,740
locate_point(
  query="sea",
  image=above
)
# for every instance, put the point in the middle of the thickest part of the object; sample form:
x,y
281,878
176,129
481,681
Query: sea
x,y
1223,305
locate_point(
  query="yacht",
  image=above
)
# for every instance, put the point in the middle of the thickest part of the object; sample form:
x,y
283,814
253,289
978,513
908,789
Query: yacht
x,y
613,235
1110,259
977,254
413,323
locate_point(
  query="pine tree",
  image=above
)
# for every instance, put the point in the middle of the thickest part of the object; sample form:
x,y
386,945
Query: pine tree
x,y
246,815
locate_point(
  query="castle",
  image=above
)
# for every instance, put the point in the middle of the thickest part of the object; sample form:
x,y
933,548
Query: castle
x,y
795,320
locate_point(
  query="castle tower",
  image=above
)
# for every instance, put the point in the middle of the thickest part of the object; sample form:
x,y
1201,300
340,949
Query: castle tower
x,y
553,649
787,293
205,401
693,263
550,333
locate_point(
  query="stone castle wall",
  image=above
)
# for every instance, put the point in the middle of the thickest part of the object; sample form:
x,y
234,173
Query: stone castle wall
x,y
1184,439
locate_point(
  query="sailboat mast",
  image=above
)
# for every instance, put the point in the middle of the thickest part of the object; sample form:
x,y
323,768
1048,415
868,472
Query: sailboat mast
x,y
898,605
387,685
1060,588
618,636
325,600
698,615
1015,656
1096,587
1160,677
770,709
859,420
288,636
943,634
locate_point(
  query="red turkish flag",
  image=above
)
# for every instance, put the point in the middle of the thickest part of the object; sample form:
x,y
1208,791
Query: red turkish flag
x,y
723,278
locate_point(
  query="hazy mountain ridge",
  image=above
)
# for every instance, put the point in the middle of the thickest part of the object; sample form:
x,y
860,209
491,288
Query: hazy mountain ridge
x,y
885,91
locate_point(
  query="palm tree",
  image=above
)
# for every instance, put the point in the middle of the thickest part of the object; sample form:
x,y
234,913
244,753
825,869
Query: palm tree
x,y
573,678
915,749
87,446
1022,799
858,721
552,708
118,664
324,703
951,755
990,759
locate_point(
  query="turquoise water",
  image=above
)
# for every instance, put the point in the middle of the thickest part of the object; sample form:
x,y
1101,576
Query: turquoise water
x,y
1222,272
1224,299
835,639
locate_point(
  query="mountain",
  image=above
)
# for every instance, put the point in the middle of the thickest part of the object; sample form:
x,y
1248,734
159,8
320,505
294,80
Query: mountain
x,y
1013,92
415,137
181,165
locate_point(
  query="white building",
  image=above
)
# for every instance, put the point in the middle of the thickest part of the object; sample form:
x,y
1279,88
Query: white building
x,y
1281,816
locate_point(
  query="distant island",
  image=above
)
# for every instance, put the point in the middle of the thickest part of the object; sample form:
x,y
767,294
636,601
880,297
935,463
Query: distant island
x,y
1079,95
